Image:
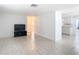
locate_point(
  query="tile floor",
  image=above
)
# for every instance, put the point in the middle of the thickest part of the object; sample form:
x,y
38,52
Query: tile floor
x,y
26,46
69,45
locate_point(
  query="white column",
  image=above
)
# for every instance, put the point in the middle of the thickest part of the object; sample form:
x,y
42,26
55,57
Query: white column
x,y
58,25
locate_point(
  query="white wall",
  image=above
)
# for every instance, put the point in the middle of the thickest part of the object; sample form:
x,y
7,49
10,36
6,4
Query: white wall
x,y
7,21
46,25
50,25
66,20
75,22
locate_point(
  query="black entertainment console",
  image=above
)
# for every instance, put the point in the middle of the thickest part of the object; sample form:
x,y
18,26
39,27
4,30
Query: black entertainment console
x,y
19,30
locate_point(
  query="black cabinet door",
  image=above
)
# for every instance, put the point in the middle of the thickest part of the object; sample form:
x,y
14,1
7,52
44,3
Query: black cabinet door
x,y
19,33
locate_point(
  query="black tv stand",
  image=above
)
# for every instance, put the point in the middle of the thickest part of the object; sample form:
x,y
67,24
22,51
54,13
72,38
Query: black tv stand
x,y
19,30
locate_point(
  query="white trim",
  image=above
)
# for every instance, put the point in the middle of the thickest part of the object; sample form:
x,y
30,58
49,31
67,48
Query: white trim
x,y
43,36
6,37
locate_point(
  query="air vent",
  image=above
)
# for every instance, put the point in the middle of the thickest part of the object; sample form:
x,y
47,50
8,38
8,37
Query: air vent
x,y
34,5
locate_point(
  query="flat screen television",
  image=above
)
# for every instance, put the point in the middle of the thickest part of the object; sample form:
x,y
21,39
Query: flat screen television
x,y
19,27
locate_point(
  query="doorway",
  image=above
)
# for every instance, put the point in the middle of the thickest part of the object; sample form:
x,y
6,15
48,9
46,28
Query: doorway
x,y
31,25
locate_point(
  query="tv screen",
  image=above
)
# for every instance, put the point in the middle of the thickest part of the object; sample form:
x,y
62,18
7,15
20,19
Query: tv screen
x,y
19,27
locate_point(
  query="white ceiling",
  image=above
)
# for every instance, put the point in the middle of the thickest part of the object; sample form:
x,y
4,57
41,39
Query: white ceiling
x,y
41,8
72,12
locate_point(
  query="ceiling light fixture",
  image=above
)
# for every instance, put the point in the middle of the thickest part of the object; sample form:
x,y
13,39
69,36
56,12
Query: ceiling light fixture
x,y
34,5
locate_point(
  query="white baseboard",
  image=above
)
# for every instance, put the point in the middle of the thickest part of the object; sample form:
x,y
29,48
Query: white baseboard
x,y
43,36
7,37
